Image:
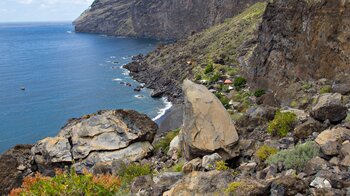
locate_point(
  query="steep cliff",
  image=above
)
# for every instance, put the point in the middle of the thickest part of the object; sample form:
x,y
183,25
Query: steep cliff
x,y
302,40
228,45
162,19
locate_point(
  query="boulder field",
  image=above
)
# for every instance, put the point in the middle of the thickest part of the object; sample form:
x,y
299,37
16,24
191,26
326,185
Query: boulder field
x,y
212,155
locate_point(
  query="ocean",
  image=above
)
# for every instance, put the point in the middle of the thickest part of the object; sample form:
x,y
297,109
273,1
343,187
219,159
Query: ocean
x,y
49,73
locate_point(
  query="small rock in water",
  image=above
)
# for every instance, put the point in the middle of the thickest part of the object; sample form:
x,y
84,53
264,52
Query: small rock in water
x,y
23,88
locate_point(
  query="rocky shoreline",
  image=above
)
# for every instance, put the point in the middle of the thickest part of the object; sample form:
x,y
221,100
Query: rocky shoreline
x,y
235,137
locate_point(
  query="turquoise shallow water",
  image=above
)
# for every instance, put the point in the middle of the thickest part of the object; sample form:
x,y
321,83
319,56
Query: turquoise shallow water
x,y
65,75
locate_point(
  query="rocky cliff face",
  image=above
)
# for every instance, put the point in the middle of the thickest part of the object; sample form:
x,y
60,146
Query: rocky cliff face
x,y
302,40
165,68
162,19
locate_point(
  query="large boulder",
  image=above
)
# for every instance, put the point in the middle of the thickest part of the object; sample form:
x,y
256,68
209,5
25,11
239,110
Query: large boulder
x,y
102,137
329,106
338,134
15,164
108,131
208,127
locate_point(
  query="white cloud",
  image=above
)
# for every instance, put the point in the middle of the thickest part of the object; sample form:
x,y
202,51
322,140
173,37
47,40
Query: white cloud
x,y
53,2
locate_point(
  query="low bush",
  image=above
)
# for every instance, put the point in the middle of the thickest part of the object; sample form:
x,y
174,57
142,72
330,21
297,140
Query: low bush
x,y
198,77
259,92
177,167
239,82
282,124
127,173
265,151
232,187
69,184
223,99
221,166
297,157
214,78
209,68
306,86
326,89
164,143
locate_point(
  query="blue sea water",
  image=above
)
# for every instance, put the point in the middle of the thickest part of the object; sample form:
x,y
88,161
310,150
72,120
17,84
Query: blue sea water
x,y
65,75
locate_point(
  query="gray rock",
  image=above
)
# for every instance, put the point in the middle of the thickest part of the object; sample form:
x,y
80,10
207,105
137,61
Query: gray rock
x,y
345,149
329,106
319,182
338,134
314,165
193,165
330,148
108,131
202,183
346,161
208,161
167,179
174,148
247,167
208,127
132,153
52,150
307,128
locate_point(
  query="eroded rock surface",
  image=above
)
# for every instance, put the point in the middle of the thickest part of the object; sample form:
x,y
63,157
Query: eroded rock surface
x,y
291,46
101,137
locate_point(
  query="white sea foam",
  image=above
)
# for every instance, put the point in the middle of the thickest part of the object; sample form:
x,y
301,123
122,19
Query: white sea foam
x,y
162,111
70,32
124,58
126,72
112,57
117,79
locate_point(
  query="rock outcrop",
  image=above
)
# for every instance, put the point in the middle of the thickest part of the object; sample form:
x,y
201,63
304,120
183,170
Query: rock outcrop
x,y
101,137
15,164
208,127
302,40
202,183
162,19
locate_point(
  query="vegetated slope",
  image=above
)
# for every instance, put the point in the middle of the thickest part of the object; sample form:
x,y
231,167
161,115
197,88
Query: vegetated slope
x,y
302,40
162,19
226,45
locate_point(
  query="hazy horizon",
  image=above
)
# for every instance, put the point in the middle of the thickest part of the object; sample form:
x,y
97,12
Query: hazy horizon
x,y
22,11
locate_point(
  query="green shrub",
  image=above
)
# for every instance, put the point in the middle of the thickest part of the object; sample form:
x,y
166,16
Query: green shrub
x,y
177,167
164,143
209,68
69,184
297,157
231,71
198,77
223,99
232,187
128,173
214,78
239,82
265,151
259,92
306,86
221,166
326,89
281,124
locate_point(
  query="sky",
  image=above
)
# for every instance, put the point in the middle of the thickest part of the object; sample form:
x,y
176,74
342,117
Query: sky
x,y
41,10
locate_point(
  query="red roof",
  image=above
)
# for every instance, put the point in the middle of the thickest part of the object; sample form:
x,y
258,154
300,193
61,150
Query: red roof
x,y
228,81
